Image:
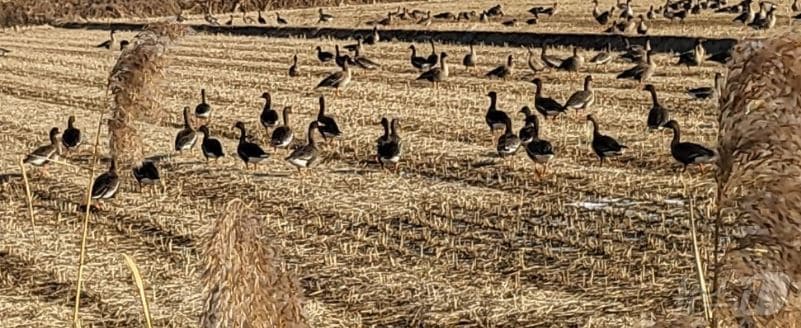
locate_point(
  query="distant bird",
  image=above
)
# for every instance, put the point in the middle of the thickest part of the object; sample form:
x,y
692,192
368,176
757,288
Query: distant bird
x,y
146,173
436,74
526,133
110,42
306,156
766,23
572,63
282,136
230,21
106,185
209,18
694,57
268,117
550,61
356,46
445,16
533,63
658,115
326,124
538,150
642,28
540,10
582,99
426,21
364,62
43,154
386,21
509,142
544,105
603,57
4,51
203,109
389,147
280,20
186,137
707,92
71,138
324,17
746,17
688,153
502,71
640,72
651,14
510,22
324,56
247,151
495,10
339,58
337,80
604,146
601,17
532,21
496,119
294,70
627,11
636,53
211,147
373,38
124,44
417,61
469,60
261,19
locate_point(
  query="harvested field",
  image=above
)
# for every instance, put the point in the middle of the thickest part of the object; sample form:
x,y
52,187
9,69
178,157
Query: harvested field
x,y
457,237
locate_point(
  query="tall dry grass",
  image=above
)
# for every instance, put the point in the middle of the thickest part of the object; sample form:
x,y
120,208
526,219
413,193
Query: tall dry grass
x,y
759,184
243,280
135,88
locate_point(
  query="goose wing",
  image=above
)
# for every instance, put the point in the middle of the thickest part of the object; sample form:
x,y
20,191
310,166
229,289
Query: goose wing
x,y
105,185
332,80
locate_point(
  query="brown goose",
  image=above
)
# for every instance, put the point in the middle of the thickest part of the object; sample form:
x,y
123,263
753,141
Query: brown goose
x,y
418,62
469,60
106,185
268,117
544,105
603,56
550,61
282,136
364,62
509,142
658,116
338,80
694,57
436,74
538,150
324,56
640,72
707,92
604,146
294,70
642,28
42,155
582,99
306,156
71,138
533,63
186,138
601,17
373,38
110,42
389,149
502,71
324,17
432,59
280,20
572,63
496,119
688,153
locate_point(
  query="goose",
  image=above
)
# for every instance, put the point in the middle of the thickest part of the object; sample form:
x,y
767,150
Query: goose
x,y
544,105
532,21
483,17
508,143
230,21
432,59
582,99
268,117
211,147
324,17
324,56
209,18
364,62
384,137
340,59
510,22
636,53
280,20
694,57
306,156
795,6
337,80
469,60
658,115
43,154
294,70
550,61
496,10
628,11
550,11
146,173
356,46
247,151
572,63
526,133
688,153
538,150
604,146
373,38
261,19
390,149
502,71
722,57
106,185
386,21
746,17
766,23
707,92
110,42
72,136
282,136
676,15
436,74
186,138
601,17
495,118
533,63
124,44
326,124
445,16
651,14
603,56
203,109
4,51
418,62
642,29
426,21
640,72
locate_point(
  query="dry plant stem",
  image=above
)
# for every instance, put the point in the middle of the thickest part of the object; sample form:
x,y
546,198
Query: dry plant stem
x,y
29,197
698,267
140,286
86,225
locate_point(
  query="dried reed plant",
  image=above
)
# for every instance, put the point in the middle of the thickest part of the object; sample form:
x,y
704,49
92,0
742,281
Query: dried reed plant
x,y
135,88
758,184
243,280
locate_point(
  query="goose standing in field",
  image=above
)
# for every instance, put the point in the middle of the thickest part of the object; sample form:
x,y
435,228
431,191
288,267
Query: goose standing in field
x,y
261,19
389,148
437,74
642,28
572,63
306,156
582,99
707,92
268,117
247,151
550,61
112,40
445,16
283,135
324,17
658,115
601,17
417,61
211,147
469,60
603,56
688,153
337,80
533,63
651,14
640,72
356,46
636,53
186,138
339,58
106,184
43,154
373,38
280,20
364,62
294,70
538,150
694,57
426,21
544,105
604,146
432,59
746,16
326,124
496,119
509,142
324,56
230,21
203,109
209,18
71,138
502,71
146,173
526,133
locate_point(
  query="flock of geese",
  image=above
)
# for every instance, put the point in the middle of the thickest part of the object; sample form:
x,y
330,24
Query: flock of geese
x,y
433,68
